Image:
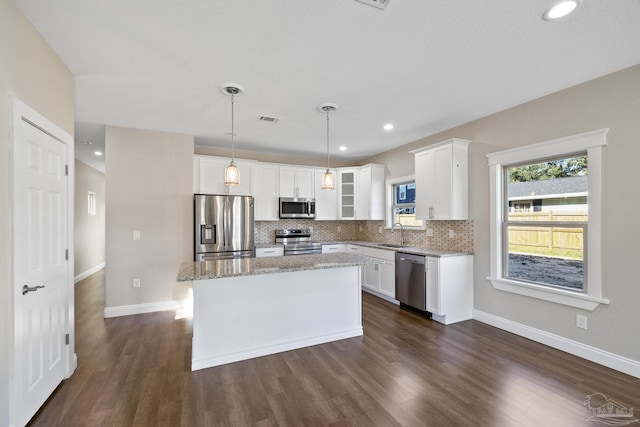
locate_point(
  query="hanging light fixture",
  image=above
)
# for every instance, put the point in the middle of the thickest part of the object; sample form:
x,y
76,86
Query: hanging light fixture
x,y
231,174
328,181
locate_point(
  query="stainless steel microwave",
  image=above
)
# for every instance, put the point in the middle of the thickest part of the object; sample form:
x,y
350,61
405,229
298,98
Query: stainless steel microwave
x,y
294,207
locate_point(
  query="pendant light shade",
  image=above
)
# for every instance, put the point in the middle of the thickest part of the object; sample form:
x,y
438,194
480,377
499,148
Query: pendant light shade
x,y
328,181
231,173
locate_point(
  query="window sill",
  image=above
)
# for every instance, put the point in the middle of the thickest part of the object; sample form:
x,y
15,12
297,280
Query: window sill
x,y
559,296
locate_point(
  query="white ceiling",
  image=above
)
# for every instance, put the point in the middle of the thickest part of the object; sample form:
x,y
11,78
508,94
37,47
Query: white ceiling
x,y
424,65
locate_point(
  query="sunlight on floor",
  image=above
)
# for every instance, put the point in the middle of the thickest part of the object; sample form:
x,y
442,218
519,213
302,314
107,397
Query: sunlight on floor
x,y
186,311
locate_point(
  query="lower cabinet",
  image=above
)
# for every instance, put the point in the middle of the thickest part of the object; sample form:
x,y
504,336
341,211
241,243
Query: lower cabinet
x,y
267,252
380,278
334,248
449,284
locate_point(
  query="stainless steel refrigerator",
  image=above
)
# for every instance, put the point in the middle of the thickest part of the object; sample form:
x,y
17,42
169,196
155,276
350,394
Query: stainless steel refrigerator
x,y
223,227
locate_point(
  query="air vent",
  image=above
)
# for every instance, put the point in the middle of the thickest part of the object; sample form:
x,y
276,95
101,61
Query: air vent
x,y
268,119
380,4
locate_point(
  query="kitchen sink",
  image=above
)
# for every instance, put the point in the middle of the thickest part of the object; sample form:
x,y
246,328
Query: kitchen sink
x,y
390,245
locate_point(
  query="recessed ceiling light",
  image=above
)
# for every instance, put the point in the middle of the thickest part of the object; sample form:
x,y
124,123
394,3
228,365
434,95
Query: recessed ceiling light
x,y
388,126
560,9
97,153
343,148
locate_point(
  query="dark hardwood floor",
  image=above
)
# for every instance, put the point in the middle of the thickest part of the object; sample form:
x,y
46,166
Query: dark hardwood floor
x,y
406,370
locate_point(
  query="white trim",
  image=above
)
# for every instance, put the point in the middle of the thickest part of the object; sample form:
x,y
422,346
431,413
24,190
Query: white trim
x,y
388,216
591,142
552,148
560,296
593,354
88,273
381,295
150,307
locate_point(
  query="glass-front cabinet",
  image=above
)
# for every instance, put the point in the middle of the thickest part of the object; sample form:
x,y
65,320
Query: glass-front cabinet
x,y
347,193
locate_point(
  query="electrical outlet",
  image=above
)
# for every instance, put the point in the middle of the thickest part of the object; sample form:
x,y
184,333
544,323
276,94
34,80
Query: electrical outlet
x,y
136,235
452,234
136,283
581,321
429,232
379,231
360,229
339,228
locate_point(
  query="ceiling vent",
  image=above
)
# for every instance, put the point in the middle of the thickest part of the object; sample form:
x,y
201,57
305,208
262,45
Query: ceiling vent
x,y
380,4
268,119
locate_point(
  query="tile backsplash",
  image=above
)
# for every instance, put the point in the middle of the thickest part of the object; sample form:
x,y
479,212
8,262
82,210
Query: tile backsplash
x,y
374,231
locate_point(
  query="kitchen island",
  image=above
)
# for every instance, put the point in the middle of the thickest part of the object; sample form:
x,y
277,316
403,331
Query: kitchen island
x,y
250,307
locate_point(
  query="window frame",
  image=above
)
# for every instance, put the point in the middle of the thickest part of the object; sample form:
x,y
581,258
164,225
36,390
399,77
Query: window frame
x,y
589,142
389,211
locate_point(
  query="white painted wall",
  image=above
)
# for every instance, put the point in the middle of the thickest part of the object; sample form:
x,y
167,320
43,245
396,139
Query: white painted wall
x,y
32,72
89,231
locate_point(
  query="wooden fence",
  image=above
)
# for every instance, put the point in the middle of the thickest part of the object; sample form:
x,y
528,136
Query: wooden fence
x,y
568,241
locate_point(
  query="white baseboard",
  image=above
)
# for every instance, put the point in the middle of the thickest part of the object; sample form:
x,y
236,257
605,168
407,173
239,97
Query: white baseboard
x,y
381,295
88,273
593,354
128,310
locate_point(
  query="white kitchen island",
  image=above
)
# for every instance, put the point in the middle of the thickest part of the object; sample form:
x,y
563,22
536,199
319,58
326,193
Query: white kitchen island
x,y
245,308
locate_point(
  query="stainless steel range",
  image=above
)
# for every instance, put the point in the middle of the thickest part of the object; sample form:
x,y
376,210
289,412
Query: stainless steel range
x,y
297,242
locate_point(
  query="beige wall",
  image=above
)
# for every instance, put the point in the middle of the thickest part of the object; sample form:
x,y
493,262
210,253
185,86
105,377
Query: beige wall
x,y
89,230
149,187
611,102
31,71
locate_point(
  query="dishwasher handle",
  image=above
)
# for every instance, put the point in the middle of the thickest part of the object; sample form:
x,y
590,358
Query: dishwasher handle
x,y
404,257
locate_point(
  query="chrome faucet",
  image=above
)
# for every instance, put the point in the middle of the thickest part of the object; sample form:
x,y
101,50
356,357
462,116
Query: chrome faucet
x,y
402,242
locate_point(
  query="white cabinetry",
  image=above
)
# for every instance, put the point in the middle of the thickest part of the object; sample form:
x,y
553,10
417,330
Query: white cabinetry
x,y
334,248
370,192
208,176
266,192
380,278
450,288
296,182
353,249
347,193
326,200
268,252
442,180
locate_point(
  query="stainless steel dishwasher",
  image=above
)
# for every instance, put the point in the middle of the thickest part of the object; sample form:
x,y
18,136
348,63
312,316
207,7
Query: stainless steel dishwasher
x,y
411,280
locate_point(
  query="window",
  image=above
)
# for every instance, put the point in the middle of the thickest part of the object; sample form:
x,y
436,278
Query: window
x,y
546,245
91,203
545,220
401,203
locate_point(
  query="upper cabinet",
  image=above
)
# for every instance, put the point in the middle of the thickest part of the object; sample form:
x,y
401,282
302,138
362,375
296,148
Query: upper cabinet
x,y
361,192
296,182
208,176
326,200
266,192
370,192
442,180
346,186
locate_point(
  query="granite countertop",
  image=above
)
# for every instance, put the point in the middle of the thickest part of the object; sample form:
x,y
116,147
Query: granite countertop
x,y
416,250
202,270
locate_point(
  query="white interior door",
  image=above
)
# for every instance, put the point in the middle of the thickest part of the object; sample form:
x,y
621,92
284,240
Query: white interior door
x,y
40,239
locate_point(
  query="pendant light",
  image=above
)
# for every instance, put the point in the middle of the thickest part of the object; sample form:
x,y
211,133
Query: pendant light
x,y
231,174
328,181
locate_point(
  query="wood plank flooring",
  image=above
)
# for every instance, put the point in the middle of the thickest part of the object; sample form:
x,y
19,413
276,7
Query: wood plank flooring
x,y
405,371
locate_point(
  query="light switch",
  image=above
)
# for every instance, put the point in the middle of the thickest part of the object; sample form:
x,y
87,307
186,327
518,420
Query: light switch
x,y
136,235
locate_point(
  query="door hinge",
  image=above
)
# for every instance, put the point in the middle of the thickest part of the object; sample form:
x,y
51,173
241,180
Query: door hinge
x,y
66,170
66,339
66,254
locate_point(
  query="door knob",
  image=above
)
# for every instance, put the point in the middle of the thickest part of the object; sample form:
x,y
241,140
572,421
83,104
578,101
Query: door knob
x,y
26,289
